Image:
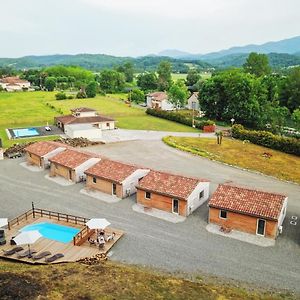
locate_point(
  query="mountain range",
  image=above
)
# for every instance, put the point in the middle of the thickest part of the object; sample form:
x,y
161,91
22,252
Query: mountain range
x,y
283,53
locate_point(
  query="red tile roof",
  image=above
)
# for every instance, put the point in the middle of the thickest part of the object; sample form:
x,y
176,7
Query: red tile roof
x,y
42,148
82,109
70,119
247,201
13,80
111,170
71,158
169,184
159,96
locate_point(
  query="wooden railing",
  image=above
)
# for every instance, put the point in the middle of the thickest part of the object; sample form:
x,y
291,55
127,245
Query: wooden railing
x,y
82,236
20,218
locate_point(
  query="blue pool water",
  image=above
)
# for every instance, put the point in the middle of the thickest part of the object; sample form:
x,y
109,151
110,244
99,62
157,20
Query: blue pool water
x,y
25,132
59,233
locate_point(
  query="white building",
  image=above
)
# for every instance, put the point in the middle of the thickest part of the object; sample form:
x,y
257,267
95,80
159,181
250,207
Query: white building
x,y
159,100
193,102
14,84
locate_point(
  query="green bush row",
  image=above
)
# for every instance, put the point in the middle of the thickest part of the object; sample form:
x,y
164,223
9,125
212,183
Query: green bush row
x,y
179,118
267,139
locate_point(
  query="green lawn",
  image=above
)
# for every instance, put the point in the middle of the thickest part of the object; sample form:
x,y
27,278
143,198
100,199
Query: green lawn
x,y
248,156
38,108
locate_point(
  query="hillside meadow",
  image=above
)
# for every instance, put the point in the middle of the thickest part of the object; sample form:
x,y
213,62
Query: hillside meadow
x,y
24,109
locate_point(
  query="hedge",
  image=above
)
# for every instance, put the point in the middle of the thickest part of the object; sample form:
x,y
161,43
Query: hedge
x,y
179,118
267,139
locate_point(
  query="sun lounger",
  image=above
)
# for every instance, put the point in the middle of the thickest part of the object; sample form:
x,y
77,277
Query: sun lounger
x,y
13,251
54,257
26,253
41,255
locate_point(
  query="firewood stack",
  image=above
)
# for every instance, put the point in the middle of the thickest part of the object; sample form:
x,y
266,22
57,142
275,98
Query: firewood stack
x,y
94,260
78,142
16,148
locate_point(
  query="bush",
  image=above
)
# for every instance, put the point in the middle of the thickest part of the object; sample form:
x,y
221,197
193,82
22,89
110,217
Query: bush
x,y
267,139
60,96
70,97
81,95
179,118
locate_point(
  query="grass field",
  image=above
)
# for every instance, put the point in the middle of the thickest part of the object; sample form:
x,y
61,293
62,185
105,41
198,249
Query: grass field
x,y
38,108
249,156
112,281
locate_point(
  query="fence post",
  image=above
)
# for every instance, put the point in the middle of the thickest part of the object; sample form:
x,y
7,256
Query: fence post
x,y
33,212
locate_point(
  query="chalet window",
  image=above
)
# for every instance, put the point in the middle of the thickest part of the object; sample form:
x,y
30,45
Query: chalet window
x,y
260,227
147,195
94,179
201,195
29,155
107,124
114,189
223,214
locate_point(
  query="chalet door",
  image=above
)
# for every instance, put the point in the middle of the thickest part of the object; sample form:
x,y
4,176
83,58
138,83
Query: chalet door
x,y
261,226
70,174
114,189
175,206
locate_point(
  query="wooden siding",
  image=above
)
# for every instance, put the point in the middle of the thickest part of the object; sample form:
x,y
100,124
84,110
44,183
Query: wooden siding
x,y
160,202
242,222
58,170
33,159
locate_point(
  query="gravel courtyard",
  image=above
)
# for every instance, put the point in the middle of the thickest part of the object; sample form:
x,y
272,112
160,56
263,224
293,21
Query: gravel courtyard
x,y
183,247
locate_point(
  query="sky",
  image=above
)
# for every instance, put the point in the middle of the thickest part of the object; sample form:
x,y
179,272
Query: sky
x,y
140,27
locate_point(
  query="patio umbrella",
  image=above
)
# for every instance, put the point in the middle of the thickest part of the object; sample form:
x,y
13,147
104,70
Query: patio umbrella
x,y
3,222
27,237
97,223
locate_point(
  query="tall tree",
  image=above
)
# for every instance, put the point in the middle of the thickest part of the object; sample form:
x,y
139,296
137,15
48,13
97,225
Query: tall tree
x,y
91,89
128,70
147,81
178,94
111,81
164,75
257,64
192,77
50,83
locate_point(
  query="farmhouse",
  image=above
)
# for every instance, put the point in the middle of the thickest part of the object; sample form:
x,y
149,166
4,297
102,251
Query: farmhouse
x,y
248,210
114,178
39,153
172,193
159,100
193,102
12,84
71,164
84,122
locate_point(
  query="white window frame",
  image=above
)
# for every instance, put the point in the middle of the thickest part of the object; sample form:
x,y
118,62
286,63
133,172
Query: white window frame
x,y
146,195
176,213
257,221
221,216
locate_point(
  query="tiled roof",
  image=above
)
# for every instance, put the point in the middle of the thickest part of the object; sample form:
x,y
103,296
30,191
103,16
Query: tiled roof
x,y
70,119
13,80
158,96
71,158
42,148
169,184
111,170
82,109
247,201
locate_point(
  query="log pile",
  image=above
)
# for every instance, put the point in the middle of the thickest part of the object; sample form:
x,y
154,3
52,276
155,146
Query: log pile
x,y
16,150
93,260
78,142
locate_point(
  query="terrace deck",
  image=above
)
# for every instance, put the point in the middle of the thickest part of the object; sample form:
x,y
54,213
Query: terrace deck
x,y
71,253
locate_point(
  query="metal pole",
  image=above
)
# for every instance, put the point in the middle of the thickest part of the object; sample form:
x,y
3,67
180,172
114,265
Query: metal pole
x,y
33,212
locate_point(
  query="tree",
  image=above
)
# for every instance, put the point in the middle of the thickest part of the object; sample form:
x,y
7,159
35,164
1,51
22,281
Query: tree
x,y
136,96
257,64
147,81
164,76
111,81
290,90
192,77
277,118
178,94
91,89
296,117
60,96
50,83
128,70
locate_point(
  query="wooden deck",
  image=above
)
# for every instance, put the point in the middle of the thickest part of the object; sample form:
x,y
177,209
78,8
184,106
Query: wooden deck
x,y
71,253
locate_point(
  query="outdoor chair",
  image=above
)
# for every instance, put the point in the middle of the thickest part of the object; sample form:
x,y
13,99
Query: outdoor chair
x,y
12,242
41,255
92,241
26,253
13,251
111,237
2,237
54,257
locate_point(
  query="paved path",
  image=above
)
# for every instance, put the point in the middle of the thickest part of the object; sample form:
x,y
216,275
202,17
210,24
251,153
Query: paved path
x,y
184,247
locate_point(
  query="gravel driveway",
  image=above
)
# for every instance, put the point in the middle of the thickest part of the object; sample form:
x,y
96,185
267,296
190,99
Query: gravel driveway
x,y
184,247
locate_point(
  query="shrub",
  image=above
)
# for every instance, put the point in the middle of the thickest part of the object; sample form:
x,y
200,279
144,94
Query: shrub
x,y
179,118
267,139
60,96
81,95
70,97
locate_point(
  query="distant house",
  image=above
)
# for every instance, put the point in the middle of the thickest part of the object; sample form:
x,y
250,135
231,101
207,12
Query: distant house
x,y
248,210
13,84
114,178
159,100
71,164
193,102
84,122
172,193
39,153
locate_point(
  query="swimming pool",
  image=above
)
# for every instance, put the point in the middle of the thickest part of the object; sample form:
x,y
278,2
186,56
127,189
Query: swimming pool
x,y
25,132
59,233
